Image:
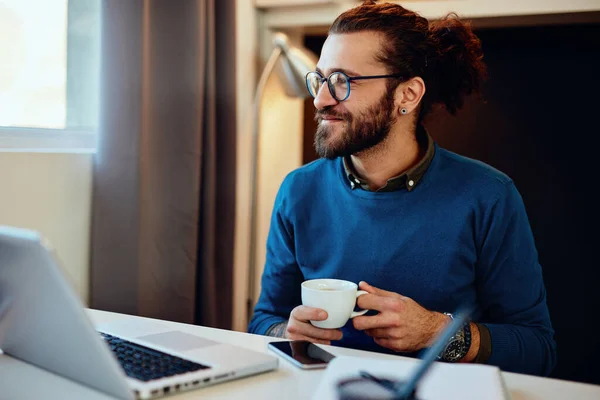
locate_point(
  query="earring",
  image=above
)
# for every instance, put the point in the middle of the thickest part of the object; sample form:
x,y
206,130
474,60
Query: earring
x,y
403,110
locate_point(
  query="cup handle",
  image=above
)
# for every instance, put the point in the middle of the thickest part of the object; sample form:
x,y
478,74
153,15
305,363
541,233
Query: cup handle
x,y
361,312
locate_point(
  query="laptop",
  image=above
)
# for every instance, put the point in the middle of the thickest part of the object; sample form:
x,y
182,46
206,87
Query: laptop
x,y
44,323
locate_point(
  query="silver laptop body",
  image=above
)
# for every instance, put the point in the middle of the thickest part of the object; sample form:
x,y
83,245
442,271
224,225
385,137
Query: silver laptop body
x,y
43,322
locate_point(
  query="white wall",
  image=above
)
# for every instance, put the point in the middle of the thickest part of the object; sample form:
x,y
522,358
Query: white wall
x,y
280,150
51,193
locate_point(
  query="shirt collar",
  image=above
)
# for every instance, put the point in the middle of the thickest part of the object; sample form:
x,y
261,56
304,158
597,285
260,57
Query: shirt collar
x,y
407,180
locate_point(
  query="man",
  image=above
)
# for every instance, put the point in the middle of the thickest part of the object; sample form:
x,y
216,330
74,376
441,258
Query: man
x,y
422,229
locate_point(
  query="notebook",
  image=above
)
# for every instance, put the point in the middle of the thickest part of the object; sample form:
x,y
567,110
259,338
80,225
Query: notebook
x,y
443,381
43,323
351,378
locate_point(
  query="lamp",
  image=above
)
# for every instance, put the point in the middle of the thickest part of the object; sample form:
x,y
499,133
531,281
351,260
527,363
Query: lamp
x,y
296,63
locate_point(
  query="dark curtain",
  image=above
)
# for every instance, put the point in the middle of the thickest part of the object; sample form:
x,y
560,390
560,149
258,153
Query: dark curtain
x,y
164,174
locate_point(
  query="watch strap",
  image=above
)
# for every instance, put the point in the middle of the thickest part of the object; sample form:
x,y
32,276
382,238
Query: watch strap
x,y
485,344
464,334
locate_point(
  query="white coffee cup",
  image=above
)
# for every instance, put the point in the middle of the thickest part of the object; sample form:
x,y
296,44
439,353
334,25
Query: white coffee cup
x,y
336,296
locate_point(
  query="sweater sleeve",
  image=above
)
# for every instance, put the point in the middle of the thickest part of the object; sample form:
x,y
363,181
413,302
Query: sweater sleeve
x,y
282,277
511,290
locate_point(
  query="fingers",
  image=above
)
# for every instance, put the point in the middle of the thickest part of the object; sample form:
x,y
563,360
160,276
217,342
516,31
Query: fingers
x,y
305,314
373,290
383,342
379,333
376,321
297,328
369,302
310,339
300,328
379,303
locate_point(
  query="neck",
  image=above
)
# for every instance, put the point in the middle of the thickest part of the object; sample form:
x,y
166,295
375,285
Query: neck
x,y
396,154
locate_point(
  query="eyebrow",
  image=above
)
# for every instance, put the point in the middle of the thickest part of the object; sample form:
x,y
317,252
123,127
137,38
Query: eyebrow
x,y
348,72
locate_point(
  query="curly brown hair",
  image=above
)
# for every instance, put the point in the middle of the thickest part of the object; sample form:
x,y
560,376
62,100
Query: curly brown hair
x,y
446,53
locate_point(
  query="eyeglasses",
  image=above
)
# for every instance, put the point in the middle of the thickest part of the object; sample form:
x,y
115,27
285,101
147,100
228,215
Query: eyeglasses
x,y
338,83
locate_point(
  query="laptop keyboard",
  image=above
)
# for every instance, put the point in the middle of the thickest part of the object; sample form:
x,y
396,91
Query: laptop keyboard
x,y
146,364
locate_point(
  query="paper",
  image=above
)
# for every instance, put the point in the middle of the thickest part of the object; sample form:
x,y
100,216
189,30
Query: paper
x,y
442,381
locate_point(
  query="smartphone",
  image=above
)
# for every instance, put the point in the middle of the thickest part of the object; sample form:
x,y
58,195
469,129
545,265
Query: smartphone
x,y
302,354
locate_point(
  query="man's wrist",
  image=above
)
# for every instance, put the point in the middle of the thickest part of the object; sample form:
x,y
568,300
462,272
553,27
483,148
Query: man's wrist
x,y
440,321
475,342
278,330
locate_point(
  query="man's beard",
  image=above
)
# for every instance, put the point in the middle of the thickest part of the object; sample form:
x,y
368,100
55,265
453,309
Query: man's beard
x,y
362,132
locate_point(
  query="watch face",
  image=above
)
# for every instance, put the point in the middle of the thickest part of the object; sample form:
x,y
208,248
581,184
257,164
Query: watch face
x,y
454,351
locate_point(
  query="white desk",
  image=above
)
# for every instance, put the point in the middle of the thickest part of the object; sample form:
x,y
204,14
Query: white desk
x,y
288,382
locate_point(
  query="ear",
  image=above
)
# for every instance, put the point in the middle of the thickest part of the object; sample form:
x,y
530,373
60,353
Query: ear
x,y
409,94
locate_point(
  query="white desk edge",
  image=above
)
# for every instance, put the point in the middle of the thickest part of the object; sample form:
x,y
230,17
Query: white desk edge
x,y
291,382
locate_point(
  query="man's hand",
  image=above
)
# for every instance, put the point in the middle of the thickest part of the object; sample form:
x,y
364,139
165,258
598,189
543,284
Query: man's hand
x,y
300,328
402,324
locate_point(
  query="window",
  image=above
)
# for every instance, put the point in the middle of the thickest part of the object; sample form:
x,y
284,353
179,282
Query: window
x,y
49,52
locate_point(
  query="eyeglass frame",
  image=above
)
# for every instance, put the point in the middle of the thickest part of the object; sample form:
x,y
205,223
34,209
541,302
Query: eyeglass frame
x,y
348,78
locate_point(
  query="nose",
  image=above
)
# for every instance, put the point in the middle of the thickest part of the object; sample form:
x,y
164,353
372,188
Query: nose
x,y
324,98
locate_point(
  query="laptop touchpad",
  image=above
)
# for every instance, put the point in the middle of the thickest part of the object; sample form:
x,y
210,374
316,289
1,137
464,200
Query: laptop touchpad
x,y
178,341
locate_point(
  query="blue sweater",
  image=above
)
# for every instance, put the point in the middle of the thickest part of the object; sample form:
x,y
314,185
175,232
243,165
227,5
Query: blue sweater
x,y
461,236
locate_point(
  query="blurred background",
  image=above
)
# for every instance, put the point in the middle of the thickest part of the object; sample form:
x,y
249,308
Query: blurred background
x,y
147,141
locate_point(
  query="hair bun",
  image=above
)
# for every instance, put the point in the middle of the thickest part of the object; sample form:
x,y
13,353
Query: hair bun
x,y
458,69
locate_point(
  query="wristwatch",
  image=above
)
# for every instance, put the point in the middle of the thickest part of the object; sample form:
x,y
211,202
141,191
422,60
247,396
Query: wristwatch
x,y
458,345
